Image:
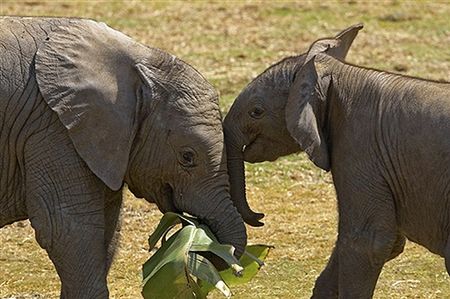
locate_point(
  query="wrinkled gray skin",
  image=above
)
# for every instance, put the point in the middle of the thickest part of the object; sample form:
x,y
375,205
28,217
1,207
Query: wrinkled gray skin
x,y
385,138
85,109
255,127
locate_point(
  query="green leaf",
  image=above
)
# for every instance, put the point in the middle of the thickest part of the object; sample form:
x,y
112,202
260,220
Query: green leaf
x,y
205,286
251,261
203,269
168,221
250,265
168,283
174,250
189,220
170,272
203,242
257,253
199,294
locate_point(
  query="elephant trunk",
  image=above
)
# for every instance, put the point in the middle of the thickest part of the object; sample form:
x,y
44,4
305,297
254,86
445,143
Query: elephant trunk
x,y
236,171
228,226
217,211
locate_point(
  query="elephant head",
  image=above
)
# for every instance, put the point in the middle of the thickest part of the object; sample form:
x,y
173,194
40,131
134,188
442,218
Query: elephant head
x,y
256,127
140,116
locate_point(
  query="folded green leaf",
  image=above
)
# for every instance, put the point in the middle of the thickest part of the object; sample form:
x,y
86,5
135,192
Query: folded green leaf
x,y
250,265
170,272
174,250
169,283
250,261
203,269
168,221
202,242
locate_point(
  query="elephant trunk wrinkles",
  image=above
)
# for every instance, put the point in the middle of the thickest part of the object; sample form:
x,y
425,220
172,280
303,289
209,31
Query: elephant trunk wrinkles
x,y
223,219
229,227
236,172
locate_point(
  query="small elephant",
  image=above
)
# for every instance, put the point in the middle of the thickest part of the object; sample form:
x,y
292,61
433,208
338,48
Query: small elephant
x,y
255,127
85,109
385,138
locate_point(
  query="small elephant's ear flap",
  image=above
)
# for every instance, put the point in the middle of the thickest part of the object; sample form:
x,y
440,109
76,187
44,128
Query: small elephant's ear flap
x,y
306,106
320,46
86,75
345,39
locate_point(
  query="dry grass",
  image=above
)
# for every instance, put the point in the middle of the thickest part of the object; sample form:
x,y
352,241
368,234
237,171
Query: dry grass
x,y
230,43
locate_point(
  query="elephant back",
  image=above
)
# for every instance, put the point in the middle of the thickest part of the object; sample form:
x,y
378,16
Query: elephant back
x,y
21,105
20,38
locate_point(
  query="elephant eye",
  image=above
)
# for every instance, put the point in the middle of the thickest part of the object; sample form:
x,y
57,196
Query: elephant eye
x,y
187,157
256,112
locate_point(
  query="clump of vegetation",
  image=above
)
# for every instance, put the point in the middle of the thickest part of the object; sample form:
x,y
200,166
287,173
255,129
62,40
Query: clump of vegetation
x,y
179,270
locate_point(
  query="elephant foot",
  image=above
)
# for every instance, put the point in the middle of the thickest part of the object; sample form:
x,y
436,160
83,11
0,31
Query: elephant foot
x,y
447,256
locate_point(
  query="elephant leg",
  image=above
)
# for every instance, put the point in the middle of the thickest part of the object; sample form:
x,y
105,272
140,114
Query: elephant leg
x,y
399,246
73,236
326,285
113,205
66,204
367,239
447,256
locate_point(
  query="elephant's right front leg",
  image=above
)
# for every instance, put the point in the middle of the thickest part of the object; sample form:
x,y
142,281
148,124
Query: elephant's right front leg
x,y
368,237
326,286
73,236
66,206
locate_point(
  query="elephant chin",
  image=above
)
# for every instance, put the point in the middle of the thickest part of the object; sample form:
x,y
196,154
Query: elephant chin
x,y
163,198
264,148
252,152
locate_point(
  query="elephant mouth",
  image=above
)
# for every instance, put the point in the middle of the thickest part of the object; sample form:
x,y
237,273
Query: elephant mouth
x,y
257,150
167,202
248,151
248,146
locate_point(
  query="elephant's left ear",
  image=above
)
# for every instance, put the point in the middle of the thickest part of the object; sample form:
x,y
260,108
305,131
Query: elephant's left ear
x,y
87,77
306,106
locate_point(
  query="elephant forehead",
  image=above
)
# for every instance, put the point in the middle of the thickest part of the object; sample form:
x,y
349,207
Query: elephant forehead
x,y
193,132
186,82
196,107
204,139
193,84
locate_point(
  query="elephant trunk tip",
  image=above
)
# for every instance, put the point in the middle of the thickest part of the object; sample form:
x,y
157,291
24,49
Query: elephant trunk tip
x,y
252,218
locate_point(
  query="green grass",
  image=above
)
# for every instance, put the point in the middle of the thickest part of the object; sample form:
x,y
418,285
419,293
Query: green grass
x,y
230,43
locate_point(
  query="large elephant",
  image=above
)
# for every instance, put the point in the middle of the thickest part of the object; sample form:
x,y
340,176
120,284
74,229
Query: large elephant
x,y
85,109
385,138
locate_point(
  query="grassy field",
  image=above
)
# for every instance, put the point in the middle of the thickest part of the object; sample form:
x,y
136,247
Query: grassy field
x,y
230,43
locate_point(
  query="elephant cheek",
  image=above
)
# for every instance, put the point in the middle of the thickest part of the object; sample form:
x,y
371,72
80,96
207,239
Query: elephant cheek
x,y
136,192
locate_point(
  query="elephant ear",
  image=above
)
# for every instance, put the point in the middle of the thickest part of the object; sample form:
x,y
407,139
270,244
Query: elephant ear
x,y
87,77
306,106
345,39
